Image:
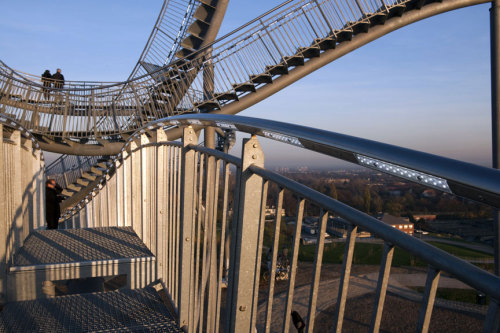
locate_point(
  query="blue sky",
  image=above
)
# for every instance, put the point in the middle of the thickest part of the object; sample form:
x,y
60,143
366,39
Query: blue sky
x,y
426,86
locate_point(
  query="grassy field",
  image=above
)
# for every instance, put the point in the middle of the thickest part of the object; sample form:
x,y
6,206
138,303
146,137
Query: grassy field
x,y
364,254
371,254
461,251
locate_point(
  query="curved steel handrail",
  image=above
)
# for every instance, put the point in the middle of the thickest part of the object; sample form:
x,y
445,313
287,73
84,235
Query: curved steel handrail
x,y
463,179
13,124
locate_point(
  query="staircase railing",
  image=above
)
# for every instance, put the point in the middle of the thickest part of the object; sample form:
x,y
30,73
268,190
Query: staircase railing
x,y
209,208
66,169
233,66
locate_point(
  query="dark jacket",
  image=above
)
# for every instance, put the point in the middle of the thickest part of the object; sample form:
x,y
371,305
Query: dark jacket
x,y
58,79
46,78
52,208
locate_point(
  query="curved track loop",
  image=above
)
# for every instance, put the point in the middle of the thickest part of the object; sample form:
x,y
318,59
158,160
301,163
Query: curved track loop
x,y
238,70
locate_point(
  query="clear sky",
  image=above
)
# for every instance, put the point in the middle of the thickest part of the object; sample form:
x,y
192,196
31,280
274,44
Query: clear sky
x,y
426,86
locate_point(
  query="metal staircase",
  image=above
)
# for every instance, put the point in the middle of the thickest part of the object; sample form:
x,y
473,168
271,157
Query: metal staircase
x,y
224,76
94,118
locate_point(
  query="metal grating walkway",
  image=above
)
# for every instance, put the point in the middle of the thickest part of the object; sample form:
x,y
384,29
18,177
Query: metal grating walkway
x,y
140,310
80,245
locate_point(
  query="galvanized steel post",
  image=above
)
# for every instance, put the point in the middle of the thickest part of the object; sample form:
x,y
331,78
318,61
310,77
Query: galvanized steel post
x,y
243,275
187,220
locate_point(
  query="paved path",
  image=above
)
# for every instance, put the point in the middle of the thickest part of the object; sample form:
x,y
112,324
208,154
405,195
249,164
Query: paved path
x,y
358,286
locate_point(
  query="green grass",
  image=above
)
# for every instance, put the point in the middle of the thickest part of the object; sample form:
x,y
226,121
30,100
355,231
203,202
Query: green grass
x,y
364,254
371,254
461,251
453,294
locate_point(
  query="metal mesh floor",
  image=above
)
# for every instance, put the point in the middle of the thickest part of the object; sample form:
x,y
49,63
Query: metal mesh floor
x,y
80,245
139,310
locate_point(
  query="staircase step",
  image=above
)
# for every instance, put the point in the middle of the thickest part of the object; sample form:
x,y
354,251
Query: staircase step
x,y
227,97
140,310
309,52
192,42
88,176
51,255
96,171
360,27
67,193
344,35
378,18
204,13
244,87
82,182
397,11
326,43
211,3
102,165
279,69
207,105
261,78
198,28
75,187
295,60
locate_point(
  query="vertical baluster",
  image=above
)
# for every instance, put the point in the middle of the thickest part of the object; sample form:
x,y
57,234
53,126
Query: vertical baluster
x,y
293,264
206,233
231,249
383,281
223,232
318,259
200,216
275,250
213,277
431,284
344,278
492,322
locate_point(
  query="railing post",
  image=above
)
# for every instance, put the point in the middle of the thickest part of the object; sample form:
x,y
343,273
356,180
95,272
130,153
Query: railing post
x,y
243,274
495,110
4,228
187,220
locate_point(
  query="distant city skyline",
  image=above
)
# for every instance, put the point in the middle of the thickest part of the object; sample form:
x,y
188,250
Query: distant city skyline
x,y
425,86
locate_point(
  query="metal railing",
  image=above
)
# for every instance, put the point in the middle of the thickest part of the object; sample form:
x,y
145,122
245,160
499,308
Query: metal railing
x,y
223,71
22,208
67,169
209,208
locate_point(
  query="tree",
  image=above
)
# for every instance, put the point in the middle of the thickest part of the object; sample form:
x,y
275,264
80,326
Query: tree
x,y
333,191
368,199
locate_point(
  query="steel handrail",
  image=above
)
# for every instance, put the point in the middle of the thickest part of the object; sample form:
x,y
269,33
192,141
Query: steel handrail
x,y
464,179
460,269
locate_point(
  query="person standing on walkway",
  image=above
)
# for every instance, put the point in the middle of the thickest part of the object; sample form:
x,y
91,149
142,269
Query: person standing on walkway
x,y
52,200
58,79
47,82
